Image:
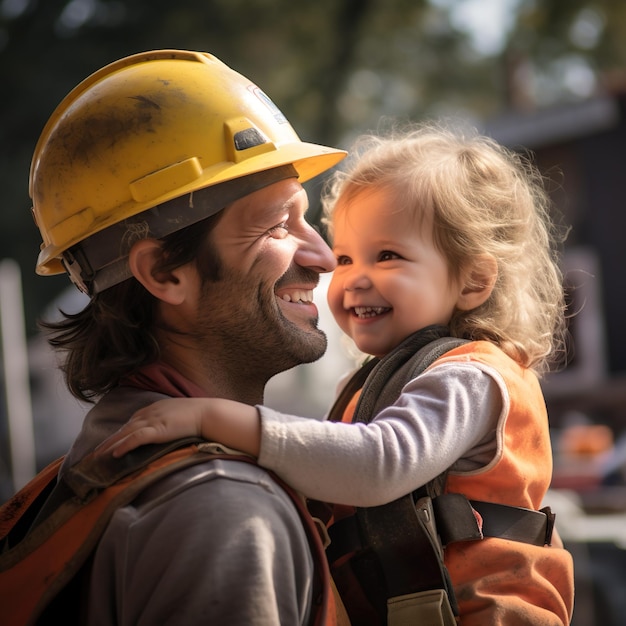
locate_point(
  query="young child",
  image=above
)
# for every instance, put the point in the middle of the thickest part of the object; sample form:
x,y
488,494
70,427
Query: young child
x,y
429,227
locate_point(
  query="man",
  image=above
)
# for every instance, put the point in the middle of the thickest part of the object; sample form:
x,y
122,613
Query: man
x,y
169,188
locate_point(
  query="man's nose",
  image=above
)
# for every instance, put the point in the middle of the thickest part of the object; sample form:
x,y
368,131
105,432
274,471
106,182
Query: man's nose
x,y
313,252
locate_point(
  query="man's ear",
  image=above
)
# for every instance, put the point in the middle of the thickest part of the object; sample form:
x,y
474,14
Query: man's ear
x,y
478,282
144,259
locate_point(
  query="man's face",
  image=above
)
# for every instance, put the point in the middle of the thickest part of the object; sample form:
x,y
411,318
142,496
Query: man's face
x,y
259,314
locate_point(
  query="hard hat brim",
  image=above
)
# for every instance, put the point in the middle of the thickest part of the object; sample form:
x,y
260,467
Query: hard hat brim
x,y
308,159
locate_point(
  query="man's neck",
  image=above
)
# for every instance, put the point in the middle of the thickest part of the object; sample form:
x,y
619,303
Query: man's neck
x,y
216,380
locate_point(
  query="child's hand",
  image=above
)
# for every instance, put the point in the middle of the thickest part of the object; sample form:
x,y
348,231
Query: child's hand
x,y
160,422
230,423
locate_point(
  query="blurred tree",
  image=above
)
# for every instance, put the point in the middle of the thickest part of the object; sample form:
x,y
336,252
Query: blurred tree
x,y
559,51
334,67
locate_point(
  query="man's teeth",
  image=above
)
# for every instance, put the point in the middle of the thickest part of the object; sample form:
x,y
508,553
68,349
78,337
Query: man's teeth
x,y
302,296
370,311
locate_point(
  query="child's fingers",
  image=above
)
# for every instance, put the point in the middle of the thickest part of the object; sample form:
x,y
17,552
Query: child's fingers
x,y
130,436
128,443
147,425
137,437
109,443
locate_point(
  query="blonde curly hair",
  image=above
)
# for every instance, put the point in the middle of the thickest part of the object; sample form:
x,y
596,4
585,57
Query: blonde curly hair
x,y
484,199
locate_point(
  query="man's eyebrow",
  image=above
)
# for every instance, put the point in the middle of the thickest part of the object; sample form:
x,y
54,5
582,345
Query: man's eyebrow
x,y
291,201
296,200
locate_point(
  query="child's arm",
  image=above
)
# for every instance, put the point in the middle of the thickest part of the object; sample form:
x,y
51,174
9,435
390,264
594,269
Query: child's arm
x,y
433,424
231,423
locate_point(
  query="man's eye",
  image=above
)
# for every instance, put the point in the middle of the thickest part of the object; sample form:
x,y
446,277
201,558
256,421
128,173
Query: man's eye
x,y
343,260
279,231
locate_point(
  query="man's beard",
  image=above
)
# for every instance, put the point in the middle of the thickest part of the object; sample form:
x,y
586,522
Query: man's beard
x,y
240,322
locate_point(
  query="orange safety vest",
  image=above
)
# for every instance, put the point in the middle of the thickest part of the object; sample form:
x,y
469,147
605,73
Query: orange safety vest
x,y
42,564
496,581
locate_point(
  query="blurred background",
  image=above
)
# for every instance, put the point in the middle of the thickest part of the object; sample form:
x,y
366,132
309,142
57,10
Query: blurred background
x,y
546,77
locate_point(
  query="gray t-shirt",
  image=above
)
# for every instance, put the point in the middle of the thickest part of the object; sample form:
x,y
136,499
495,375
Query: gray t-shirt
x,y
216,543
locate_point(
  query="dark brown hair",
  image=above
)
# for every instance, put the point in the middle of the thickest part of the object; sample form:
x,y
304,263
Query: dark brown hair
x,y
114,334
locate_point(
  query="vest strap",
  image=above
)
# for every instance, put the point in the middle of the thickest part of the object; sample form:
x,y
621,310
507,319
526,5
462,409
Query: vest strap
x,y
42,558
516,523
455,520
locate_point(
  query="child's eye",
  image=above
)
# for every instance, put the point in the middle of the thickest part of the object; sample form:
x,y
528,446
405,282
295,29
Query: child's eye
x,y
387,255
342,259
280,231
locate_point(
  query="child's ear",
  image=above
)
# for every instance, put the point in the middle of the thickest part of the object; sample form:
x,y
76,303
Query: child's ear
x,y
144,258
478,282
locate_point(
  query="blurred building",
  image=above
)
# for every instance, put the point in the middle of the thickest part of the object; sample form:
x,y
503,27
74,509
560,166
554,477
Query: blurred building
x,y
580,148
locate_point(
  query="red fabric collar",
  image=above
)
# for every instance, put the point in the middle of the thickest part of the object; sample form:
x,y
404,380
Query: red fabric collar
x,y
163,378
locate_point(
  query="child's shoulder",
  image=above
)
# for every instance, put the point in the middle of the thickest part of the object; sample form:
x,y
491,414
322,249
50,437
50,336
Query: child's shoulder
x,y
489,357
482,351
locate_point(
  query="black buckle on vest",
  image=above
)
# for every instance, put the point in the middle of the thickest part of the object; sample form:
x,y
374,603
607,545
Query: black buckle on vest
x,y
456,521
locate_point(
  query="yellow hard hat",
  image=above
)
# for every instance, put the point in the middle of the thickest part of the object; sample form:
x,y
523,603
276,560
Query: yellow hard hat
x,y
150,128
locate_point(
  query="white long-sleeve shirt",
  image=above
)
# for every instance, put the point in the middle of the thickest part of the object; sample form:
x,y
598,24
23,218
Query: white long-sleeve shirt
x,y
444,418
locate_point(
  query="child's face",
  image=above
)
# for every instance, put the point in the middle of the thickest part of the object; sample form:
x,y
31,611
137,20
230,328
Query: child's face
x,y
390,280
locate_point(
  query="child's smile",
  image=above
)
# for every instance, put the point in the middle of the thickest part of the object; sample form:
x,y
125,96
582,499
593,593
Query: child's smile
x,y
390,280
366,312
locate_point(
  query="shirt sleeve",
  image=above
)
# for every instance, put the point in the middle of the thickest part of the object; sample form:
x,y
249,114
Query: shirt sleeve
x,y
446,416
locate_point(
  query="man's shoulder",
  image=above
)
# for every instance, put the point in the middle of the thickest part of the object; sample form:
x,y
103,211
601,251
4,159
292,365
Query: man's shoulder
x,y
108,414
220,491
214,474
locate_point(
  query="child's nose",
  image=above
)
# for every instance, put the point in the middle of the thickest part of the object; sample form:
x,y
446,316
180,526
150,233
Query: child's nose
x,y
357,279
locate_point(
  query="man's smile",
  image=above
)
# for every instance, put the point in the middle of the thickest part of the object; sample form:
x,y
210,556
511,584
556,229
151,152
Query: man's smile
x,y
303,296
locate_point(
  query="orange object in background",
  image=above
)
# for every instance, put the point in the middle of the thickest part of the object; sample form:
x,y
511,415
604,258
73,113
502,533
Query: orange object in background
x,y
586,440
